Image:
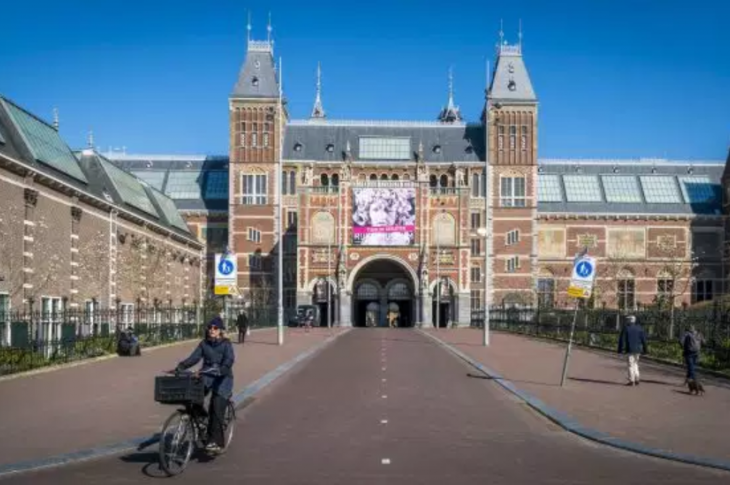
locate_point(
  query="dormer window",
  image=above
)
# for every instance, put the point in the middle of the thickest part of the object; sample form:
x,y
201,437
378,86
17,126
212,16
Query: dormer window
x,y
255,81
469,149
330,147
437,149
511,85
297,147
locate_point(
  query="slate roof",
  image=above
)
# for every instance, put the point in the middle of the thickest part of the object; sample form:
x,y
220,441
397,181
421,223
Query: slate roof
x,y
257,78
510,79
32,141
444,143
193,182
630,187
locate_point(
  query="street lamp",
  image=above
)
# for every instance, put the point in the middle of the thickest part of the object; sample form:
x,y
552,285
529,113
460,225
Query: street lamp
x,y
483,232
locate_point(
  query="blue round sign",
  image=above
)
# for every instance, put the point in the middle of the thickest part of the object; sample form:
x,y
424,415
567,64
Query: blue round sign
x,y
225,267
584,269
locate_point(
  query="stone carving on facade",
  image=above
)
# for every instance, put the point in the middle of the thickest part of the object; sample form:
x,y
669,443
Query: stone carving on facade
x,y
345,172
460,180
424,270
341,271
308,175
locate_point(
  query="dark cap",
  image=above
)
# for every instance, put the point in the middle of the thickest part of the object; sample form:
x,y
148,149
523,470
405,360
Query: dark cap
x,y
217,322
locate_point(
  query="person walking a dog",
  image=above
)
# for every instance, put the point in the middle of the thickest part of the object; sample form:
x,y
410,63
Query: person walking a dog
x,y
692,342
632,341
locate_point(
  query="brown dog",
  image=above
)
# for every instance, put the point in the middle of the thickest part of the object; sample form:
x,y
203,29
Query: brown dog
x,y
695,387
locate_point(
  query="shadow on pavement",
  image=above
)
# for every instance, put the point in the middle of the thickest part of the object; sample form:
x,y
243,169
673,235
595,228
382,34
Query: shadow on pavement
x,y
597,381
490,378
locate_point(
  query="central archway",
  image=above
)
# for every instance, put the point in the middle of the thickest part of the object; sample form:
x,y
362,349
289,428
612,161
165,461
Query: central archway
x,y
383,293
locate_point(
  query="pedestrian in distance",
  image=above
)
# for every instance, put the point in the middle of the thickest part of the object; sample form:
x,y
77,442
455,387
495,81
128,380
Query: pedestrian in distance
x,y
242,325
692,342
216,352
632,341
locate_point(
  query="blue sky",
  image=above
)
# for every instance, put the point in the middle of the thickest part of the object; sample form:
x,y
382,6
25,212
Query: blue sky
x,y
615,78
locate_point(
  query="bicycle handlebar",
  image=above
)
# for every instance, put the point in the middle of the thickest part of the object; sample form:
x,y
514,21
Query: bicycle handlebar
x,y
209,371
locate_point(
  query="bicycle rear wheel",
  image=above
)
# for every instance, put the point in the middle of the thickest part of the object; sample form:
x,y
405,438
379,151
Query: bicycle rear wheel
x,y
229,422
177,440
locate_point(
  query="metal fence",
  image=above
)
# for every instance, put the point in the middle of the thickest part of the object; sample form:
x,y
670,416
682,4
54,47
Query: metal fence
x,y
600,328
33,339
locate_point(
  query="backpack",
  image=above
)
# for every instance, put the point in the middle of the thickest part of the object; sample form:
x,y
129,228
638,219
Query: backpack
x,y
692,342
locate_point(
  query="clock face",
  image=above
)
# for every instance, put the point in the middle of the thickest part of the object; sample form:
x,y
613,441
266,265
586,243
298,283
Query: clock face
x,y
512,85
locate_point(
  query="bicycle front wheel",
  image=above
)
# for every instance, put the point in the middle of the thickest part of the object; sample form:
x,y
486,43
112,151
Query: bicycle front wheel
x,y
229,422
177,440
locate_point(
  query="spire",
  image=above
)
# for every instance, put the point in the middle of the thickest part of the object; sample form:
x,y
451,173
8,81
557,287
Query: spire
x,y
269,29
519,36
451,112
90,139
56,120
501,32
510,79
318,110
248,29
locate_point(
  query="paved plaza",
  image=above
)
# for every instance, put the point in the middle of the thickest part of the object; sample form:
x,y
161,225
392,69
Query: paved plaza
x,y
372,406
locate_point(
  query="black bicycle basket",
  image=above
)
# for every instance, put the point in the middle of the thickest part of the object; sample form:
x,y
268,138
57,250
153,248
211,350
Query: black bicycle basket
x,y
179,390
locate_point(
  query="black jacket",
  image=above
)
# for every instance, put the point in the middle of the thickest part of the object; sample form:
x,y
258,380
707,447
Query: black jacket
x,y
215,354
242,321
632,340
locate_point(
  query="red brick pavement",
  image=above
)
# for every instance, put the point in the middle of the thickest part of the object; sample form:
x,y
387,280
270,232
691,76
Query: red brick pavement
x,y
112,400
659,413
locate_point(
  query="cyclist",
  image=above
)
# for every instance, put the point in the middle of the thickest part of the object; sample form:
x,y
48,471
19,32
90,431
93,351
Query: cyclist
x,y
217,354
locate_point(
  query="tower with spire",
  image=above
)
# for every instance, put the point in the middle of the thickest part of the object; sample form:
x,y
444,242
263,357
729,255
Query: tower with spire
x,y
450,113
256,120
510,118
318,110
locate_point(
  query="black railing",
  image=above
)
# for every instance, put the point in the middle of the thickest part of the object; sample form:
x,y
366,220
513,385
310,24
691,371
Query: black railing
x,y
600,328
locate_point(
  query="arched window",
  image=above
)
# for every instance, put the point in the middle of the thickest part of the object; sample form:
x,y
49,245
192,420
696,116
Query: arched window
x,y
399,291
367,291
335,180
373,176
394,177
384,176
444,181
324,180
406,176
433,181
475,184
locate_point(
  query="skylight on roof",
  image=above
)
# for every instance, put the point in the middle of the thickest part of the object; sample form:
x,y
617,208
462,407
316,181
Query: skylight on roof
x,y
45,144
385,148
216,185
185,185
582,188
153,178
660,189
129,188
548,188
621,188
699,189
170,210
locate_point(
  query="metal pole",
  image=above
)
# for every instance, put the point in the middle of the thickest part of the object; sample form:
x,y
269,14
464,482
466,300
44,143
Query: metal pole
x,y
279,225
570,345
486,323
438,281
329,272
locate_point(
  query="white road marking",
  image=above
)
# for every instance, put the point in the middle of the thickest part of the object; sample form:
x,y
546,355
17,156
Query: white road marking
x,y
385,397
384,379
383,368
385,461
383,421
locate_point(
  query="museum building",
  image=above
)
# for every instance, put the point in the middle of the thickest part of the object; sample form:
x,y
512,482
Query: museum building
x,y
386,218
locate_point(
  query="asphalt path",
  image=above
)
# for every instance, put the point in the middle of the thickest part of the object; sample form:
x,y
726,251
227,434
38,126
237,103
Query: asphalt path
x,y
384,406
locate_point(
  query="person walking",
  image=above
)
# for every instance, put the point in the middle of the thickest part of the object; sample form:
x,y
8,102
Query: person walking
x,y
242,325
632,341
691,345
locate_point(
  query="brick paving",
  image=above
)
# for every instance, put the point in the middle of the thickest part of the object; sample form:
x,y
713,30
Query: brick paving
x,y
323,424
659,413
109,401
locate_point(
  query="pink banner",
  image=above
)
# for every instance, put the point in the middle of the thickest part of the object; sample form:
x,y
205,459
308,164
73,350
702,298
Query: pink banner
x,y
382,229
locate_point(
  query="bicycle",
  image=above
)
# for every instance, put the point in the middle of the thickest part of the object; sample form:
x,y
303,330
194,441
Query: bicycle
x,y
187,428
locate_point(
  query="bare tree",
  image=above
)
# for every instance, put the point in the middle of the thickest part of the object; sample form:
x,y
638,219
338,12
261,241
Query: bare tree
x,y
11,253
